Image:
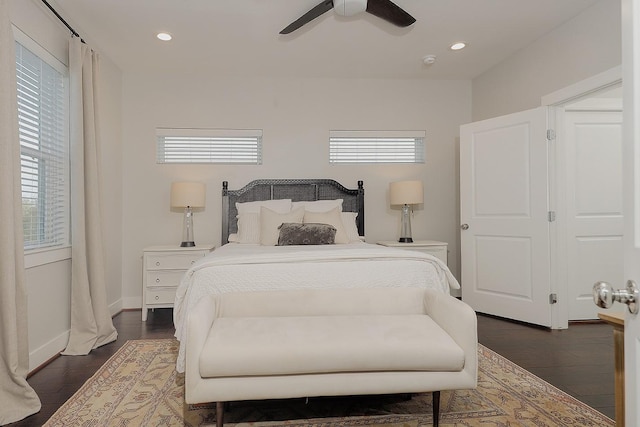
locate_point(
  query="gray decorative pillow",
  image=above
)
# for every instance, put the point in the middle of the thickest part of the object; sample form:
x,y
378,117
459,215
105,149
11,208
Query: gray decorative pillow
x,y
306,234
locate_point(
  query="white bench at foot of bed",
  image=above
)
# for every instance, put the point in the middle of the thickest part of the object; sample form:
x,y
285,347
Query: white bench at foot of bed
x,y
330,342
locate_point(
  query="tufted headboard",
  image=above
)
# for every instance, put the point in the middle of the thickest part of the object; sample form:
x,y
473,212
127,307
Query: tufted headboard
x,y
294,189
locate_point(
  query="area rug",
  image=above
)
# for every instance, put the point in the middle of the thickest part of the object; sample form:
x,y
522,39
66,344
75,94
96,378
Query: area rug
x,y
138,386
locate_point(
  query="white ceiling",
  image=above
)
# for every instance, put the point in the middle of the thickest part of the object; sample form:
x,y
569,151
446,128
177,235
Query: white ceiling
x,y
240,37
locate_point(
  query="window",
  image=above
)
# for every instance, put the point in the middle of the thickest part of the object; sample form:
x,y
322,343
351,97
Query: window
x,y
44,147
233,146
376,147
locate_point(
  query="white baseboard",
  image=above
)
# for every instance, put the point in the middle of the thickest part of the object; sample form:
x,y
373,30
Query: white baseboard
x,y
131,302
50,349
45,352
115,307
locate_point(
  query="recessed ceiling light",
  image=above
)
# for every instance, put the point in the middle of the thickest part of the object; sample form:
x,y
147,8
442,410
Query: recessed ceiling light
x,y
164,36
458,46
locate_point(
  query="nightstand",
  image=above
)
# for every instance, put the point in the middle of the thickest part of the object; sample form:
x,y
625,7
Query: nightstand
x,y
163,268
431,247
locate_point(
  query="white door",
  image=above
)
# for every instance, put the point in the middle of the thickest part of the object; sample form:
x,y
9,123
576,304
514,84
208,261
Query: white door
x,y
592,142
631,192
504,216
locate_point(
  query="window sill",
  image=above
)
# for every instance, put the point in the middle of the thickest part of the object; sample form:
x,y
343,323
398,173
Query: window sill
x,y
38,257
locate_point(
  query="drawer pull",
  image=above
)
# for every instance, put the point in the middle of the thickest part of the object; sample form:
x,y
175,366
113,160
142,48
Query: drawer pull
x,y
157,263
158,280
157,297
193,261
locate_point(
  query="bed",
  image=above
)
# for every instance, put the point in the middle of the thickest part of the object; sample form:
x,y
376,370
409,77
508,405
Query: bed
x,y
250,258
294,189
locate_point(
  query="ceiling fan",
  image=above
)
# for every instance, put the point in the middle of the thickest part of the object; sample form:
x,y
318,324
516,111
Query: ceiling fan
x,y
384,9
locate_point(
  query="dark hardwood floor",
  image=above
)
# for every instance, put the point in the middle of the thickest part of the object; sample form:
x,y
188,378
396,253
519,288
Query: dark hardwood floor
x,y
578,360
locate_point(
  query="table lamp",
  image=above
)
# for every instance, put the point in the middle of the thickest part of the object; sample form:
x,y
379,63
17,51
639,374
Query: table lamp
x,y
187,195
406,193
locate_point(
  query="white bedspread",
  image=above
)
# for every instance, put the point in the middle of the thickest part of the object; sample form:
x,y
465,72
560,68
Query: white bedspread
x,y
243,268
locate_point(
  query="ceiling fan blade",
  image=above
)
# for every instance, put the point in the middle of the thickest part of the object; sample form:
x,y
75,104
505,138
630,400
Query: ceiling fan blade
x,y
323,7
390,11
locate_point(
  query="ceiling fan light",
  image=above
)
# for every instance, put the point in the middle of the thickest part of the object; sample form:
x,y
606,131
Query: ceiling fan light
x,y
458,46
349,7
164,36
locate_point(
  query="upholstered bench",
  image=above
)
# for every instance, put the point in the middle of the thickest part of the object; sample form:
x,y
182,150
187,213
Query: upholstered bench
x,y
302,343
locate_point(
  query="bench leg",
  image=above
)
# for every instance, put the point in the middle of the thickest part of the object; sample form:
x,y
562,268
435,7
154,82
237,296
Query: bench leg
x,y
436,408
219,414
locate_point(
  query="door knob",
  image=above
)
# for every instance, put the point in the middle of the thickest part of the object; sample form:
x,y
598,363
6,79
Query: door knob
x,y
465,226
604,295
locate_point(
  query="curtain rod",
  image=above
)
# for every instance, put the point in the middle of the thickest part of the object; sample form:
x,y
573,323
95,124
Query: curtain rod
x,y
74,32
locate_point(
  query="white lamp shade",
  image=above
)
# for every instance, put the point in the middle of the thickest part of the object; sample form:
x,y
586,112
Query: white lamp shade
x,y
191,194
406,193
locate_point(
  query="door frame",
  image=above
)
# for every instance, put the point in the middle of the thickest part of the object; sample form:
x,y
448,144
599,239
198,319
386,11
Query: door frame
x,y
557,160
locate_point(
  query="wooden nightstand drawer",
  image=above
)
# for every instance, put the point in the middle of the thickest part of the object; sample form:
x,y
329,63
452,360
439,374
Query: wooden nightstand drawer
x,y
172,261
163,268
160,296
161,278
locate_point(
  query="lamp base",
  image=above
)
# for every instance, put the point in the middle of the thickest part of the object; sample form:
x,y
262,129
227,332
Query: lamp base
x,y
405,228
187,229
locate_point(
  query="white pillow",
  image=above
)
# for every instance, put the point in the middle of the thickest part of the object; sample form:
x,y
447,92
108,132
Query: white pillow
x,y
278,205
318,205
332,217
270,221
350,226
249,228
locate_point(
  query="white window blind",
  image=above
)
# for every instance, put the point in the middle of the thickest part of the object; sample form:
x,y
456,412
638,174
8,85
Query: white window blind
x,y
234,146
44,148
376,146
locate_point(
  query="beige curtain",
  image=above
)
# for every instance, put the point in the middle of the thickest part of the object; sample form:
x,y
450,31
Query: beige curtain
x,y
91,324
17,398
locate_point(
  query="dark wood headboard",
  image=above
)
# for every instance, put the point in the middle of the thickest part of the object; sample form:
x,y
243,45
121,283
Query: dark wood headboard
x,y
295,189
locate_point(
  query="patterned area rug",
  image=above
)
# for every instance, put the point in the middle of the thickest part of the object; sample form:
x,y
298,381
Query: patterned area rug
x,y
138,386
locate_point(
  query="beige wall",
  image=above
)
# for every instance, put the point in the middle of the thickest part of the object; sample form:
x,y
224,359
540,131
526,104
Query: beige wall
x,y
49,278
296,116
584,46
